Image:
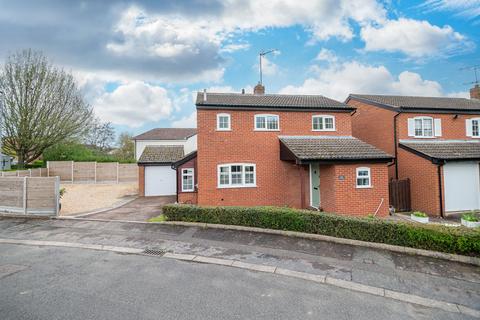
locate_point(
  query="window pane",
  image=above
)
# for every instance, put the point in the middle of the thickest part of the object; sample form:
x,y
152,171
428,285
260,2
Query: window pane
x,y
363,173
236,174
328,123
318,123
260,124
187,182
224,175
418,127
249,175
223,122
363,181
427,127
475,128
272,123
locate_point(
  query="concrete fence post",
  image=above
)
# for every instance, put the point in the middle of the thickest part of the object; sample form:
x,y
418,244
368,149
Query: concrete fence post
x,y
30,172
48,170
117,172
57,195
72,170
25,195
95,172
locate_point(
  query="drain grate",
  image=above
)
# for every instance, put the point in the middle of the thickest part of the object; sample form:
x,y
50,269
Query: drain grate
x,y
154,252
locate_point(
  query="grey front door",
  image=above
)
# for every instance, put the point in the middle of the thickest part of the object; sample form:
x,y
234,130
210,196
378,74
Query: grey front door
x,y
315,185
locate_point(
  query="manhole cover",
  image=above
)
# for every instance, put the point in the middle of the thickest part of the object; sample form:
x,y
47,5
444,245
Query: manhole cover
x,y
154,252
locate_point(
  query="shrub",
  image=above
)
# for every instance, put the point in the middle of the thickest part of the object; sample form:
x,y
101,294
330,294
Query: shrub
x,y
420,214
429,237
471,216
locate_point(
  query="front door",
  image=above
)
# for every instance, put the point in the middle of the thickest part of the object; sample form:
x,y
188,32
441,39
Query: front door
x,y
315,185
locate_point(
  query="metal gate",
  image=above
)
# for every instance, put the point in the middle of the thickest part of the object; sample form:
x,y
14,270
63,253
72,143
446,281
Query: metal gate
x,y
399,191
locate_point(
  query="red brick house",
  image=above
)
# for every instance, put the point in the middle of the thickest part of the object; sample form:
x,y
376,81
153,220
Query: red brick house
x,y
282,150
435,141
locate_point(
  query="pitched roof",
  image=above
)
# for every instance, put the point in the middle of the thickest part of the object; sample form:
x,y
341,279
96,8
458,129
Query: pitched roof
x,y
425,103
268,101
444,150
332,148
161,154
167,134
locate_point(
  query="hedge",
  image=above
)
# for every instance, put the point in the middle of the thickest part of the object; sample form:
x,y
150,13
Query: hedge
x,y
457,240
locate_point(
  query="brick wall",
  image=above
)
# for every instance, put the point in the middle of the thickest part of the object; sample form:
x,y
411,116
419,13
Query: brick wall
x,y
187,197
342,196
278,182
141,181
423,176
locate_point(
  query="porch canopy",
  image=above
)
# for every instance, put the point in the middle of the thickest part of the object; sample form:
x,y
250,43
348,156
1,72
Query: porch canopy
x,y
329,150
445,150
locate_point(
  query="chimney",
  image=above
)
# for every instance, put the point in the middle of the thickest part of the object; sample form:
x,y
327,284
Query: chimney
x,y
243,91
259,89
204,95
475,92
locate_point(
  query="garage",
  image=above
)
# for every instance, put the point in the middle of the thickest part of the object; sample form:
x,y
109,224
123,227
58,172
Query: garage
x,y
462,186
156,176
160,181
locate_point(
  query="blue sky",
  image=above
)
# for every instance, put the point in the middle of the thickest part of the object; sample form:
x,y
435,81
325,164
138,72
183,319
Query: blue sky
x,y
140,63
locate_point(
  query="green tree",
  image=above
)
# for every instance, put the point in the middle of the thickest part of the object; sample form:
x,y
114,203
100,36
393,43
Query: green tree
x,y
41,106
126,147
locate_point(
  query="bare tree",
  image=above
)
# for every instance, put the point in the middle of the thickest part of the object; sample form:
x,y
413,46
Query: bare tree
x,y
100,135
41,105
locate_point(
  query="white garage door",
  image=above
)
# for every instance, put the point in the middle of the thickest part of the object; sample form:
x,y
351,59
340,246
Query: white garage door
x,y
160,181
462,186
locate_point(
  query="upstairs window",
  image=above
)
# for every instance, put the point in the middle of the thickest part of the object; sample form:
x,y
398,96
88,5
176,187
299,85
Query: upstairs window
x,y
363,178
424,127
188,180
223,122
323,123
266,122
473,128
236,175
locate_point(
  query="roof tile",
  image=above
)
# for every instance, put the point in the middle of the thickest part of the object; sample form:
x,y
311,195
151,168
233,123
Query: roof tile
x,y
167,134
161,154
446,149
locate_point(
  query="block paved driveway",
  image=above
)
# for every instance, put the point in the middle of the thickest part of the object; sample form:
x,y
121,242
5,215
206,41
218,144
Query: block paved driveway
x,y
140,209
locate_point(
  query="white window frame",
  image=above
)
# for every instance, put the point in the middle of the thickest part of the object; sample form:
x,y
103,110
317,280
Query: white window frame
x,y
188,174
369,176
266,116
323,117
229,122
471,128
423,127
243,184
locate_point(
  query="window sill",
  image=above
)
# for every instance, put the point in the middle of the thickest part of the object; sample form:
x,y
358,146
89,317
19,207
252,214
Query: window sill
x,y
235,187
223,130
420,137
324,130
187,191
266,130
364,187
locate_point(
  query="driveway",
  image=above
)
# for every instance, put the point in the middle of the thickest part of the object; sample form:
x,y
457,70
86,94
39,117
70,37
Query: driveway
x,y
140,209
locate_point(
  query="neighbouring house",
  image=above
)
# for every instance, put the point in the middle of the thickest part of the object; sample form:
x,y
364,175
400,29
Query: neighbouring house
x,y
156,151
282,150
435,141
5,162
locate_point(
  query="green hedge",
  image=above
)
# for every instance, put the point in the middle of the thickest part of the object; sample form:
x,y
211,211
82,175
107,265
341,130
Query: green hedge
x,y
431,237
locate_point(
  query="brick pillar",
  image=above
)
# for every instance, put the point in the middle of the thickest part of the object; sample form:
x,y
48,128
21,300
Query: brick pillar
x,y
141,181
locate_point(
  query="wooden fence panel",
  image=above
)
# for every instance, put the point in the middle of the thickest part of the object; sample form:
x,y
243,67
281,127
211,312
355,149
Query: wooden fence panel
x,y
127,172
23,173
399,191
9,174
11,193
29,195
62,169
84,171
107,172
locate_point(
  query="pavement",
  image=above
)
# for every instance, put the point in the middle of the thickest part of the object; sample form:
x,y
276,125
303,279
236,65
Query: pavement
x,y
71,283
140,209
422,276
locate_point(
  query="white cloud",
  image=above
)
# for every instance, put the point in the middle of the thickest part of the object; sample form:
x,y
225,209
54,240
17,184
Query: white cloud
x,y
186,122
414,38
338,81
269,68
232,47
469,9
326,55
134,104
